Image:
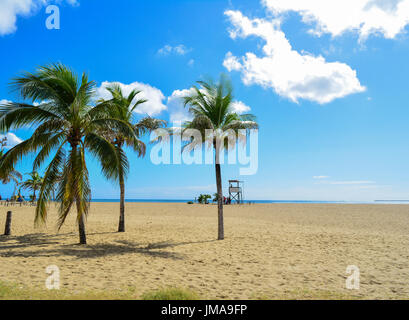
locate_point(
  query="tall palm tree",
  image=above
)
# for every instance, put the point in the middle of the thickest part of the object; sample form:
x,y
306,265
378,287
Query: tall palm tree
x,y
11,175
211,108
123,107
66,126
33,184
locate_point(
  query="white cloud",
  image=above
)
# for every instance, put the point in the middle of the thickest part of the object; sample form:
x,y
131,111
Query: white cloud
x,y
239,107
4,101
177,50
177,111
10,10
320,177
191,63
155,97
12,139
351,182
231,62
366,17
291,74
36,104
157,102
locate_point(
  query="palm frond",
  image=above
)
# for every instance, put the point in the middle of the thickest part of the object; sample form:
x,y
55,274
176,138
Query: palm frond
x,y
105,152
148,124
51,177
211,108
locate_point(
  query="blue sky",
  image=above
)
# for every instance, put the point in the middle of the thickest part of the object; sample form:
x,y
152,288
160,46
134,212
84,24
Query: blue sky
x,y
330,93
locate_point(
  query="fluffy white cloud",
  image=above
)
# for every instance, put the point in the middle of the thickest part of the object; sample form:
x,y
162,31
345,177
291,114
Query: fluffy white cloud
x,y
177,111
240,108
178,50
291,74
4,101
11,9
12,139
157,102
231,62
387,17
155,97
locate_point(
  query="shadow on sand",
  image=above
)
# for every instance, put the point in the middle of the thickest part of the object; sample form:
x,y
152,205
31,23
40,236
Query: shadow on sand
x,y
38,245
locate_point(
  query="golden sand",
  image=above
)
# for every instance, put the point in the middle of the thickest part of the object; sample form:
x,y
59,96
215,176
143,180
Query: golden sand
x,y
270,251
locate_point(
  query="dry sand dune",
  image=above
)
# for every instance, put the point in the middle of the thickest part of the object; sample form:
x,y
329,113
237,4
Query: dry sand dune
x,y
270,251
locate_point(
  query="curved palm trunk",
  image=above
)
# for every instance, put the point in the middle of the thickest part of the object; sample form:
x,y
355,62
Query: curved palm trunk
x,y
14,191
81,230
220,197
121,227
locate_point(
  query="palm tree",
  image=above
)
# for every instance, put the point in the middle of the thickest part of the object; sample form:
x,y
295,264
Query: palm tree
x,y
211,108
204,198
66,126
123,107
33,184
11,175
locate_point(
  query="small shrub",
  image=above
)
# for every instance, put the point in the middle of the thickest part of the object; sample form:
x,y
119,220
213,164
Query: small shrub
x,y
170,294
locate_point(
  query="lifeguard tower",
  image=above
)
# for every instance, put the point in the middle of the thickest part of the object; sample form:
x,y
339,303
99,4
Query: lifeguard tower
x,y
236,191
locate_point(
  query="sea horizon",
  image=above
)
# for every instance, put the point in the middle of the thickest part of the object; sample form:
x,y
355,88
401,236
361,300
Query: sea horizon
x,y
257,201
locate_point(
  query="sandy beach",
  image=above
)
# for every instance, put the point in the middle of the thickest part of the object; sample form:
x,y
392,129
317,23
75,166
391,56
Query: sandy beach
x,y
271,250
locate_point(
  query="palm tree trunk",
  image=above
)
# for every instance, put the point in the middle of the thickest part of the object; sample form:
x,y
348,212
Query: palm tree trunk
x,y
81,224
121,227
81,230
220,197
7,229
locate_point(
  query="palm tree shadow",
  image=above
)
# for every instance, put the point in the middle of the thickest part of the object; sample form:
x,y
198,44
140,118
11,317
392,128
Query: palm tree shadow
x,y
36,239
30,240
121,247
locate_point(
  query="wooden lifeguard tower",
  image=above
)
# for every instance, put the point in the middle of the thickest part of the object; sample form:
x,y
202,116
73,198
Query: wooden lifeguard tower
x,y
236,191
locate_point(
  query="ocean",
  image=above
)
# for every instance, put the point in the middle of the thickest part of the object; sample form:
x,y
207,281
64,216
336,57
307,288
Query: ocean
x,y
258,201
